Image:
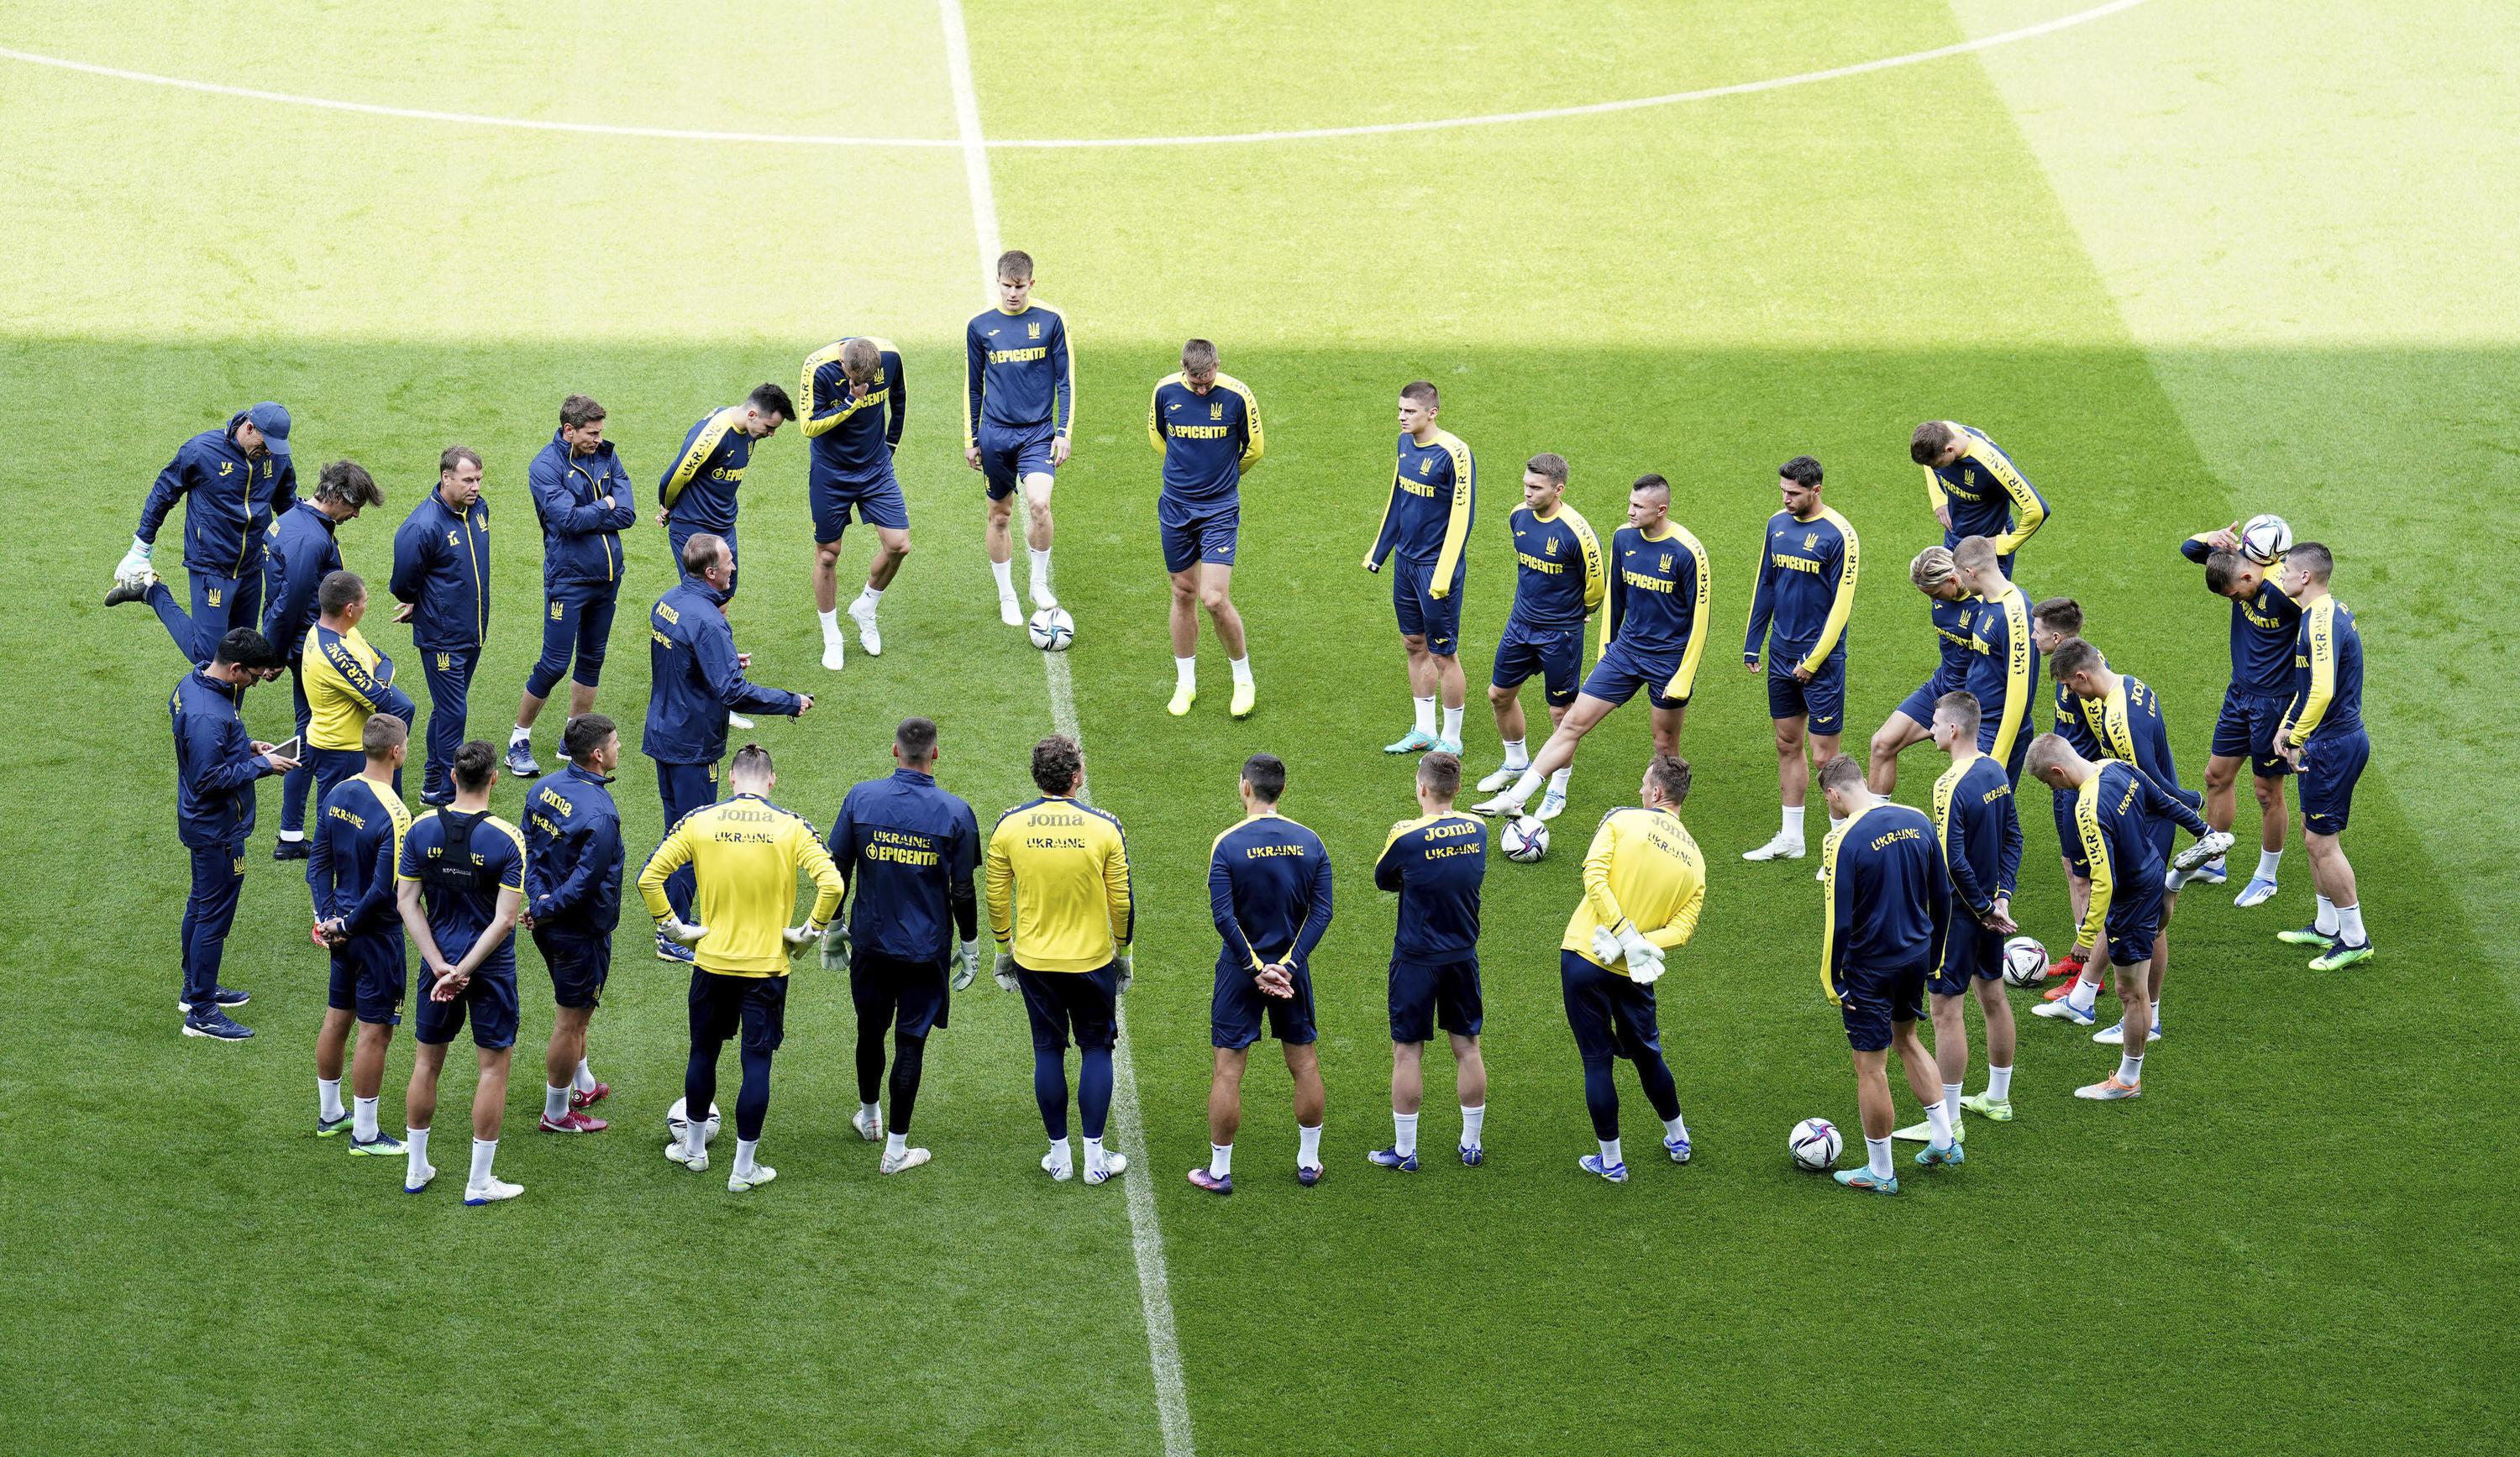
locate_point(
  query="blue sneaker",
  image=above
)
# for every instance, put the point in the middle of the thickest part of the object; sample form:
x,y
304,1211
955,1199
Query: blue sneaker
x,y
1214,1183
1860,1178
377,1147
2114,1036
670,949
1412,742
1392,1158
1616,1173
1473,1155
1937,1155
2210,873
211,1022
1308,1175
1449,746
1677,1148
326,1128
2257,892
224,997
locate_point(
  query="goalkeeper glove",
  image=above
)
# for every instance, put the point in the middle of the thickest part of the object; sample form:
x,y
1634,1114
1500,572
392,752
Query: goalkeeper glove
x,y
681,932
800,937
1643,957
135,562
967,963
835,946
1005,969
1128,969
1605,944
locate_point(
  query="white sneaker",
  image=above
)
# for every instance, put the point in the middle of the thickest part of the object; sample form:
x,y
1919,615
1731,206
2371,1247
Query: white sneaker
x,y
870,1126
1042,600
1502,780
1113,1166
1783,847
1504,805
742,1183
739,720
870,637
1062,1170
1820,873
492,1192
696,1163
1552,803
902,1162
834,655
1010,611
427,1176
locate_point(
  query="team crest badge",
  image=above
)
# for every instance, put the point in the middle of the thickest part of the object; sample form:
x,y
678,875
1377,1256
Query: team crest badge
x,y
227,467
1032,330
215,596
1426,465
1553,546
1811,540
1216,411
558,611
1665,564
445,662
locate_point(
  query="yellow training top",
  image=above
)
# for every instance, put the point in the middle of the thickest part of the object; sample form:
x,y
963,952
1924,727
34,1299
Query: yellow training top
x,y
1058,877
745,854
1643,870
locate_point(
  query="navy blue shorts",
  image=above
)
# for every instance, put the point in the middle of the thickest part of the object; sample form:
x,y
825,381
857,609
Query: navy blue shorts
x,y
489,1001
368,977
1421,612
1237,1007
1620,672
2131,935
1556,654
1870,1001
2328,769
578,622
1918,706
2246,730
677,533
911,996
1197,531
1970,953
1821,702
754,1008
876,502
579,965
1009,455
1083,1005
1424,997
1610,1015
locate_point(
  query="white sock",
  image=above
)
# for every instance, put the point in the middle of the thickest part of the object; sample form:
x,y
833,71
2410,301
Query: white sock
x,y
1834,823
1426,715
1308,1146
583,1080
2086,990
556,1101
415,1151
1242,670
2130,1067
694,1136
1040,570
2326,924
1939,1119
328,1098
1474,1122
292,836
519,734
1062,1154
1793,821
1674,1127
1186,672
1404,1133
895,1144
1526,786
1005,572
1610,1158
1952,1099
744,1149
1559,782
830,624
1094,1157
1517,754
2267,859
871,599
1876,1156
2349,924
1999,1084
363,1119
483,1151
1220,1160
1452,734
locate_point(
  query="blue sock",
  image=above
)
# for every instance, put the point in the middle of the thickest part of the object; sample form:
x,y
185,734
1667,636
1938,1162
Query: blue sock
x,y
1094,1088
1601,1096
1049,1090
753,1100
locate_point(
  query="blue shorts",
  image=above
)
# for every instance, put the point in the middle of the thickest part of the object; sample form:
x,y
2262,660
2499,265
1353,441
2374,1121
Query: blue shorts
x,y
1918,706
1870,1001
1197,531
489,999
368,977
1237,1008
2068,839
754,1008
1820,702
911,996
1970,951
577,620
1421,612
1424,997
878,502
1620,672
677,533
1554,654
1610,1015
2130,934
2246,728
580,963
2328,769
1082,1004
1009,454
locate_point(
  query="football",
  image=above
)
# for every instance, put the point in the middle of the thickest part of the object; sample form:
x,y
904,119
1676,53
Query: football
x,y
676,1122
1052,630
2025,961
1814,1145
2265,538
1525,839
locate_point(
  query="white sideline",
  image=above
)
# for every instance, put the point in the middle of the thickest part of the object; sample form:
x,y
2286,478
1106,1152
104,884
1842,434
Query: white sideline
x,y
966,143
1145,1235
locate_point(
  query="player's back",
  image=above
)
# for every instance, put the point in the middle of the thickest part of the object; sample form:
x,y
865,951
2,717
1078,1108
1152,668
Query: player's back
x,y
902,842
359,821
2132,729
2114,796
1058,871
1977,797
1651,869
463,862
2328,659
1274,878
1438,863
1882,862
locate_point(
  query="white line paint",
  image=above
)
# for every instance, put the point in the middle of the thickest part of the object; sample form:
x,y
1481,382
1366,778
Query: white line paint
x,y
1308,134
1146,1234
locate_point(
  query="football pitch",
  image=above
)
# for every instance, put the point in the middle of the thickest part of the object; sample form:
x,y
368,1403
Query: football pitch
x,y
2188,260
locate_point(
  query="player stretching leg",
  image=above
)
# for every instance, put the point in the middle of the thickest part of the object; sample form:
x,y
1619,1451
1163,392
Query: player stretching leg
x,y
2323,736
2265,621
1206,425
1019,408
855,401
1981,834
1436,862
1975,489
1807,592
1650,636
1269,889
1426,523
1557,582
2053,622
1911,723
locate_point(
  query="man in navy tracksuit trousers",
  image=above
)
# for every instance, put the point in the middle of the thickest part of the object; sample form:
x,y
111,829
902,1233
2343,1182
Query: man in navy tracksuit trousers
x,y
216,765
233,482
301,553
582,493
441,573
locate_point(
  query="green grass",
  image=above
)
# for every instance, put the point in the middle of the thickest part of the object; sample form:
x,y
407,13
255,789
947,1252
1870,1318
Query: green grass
x,y
2283,1248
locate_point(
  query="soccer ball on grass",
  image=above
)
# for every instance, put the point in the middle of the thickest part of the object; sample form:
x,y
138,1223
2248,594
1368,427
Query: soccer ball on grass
x,y
678,1123
1525,839
1052,630
2025,961
1814,1145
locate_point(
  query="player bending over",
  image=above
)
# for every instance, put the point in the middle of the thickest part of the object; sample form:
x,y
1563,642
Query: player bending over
x,y
1425,525
1911,723
1437,862
855,402
1019,410
2322,737
1975,489
1206,425
2265,622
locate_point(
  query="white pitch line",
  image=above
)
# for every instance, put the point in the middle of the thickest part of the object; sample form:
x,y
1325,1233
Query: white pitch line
x,y
1216,139
1146,1234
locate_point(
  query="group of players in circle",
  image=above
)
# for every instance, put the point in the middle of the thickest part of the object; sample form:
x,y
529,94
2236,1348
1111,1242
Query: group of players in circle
x,y
1911,902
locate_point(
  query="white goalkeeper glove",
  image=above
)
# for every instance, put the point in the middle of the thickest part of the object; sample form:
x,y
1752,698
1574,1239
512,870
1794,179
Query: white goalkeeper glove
x,y
681,932
1606,945
1643,957
134,563
967,963
800,937
1005,969
1128,970
836,946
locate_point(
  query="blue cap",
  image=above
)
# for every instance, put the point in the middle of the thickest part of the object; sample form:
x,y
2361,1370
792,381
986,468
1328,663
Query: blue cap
x,y
272,419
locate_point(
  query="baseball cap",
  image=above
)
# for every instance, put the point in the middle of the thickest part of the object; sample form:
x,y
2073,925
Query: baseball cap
x,y
272,419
